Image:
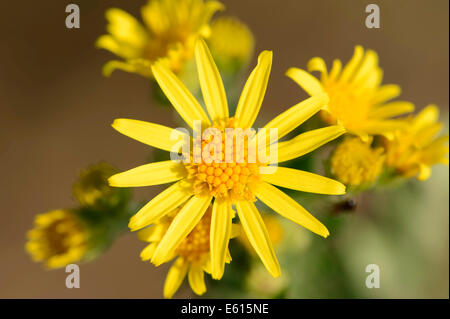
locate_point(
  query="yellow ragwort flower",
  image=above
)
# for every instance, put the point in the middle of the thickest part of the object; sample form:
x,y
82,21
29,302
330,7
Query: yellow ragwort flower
x,y
193,252
58,239
171,28
416,148
231,43
358,101
354,162
228,183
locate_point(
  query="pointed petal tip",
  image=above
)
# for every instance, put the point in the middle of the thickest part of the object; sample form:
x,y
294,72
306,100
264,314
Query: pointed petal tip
x,y
275,273
112,181
290,71
265,56
324,233
341,189
217,274
156,259
132,225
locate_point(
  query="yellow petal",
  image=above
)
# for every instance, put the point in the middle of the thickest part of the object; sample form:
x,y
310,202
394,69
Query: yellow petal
x,y
155,135
335,70
254,90
180,97
139,66
126,28
181,226
149,174
438,143
427,116
318,64
258,236
384,126
175,277
368,66
159,206
371,80
391,109
109,43
308,142
297,114
210,83
153,233
147,252
308,82
351,67
427,134
304,181
386,92
221,218
196,279
289,208
424,172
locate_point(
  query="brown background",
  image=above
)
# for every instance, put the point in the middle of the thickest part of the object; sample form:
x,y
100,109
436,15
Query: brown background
x,y
56,109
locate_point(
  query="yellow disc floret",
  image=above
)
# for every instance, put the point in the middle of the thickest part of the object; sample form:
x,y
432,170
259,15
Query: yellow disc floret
x,y
225,169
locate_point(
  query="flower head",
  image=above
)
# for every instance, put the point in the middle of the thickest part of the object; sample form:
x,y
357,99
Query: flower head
x,y
92,188
58,239
231,43
193,252
196,186
414,149
358,101
169,32
354,162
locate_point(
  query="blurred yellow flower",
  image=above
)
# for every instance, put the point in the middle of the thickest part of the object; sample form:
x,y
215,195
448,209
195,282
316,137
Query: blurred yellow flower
x,y
92,188
231,43
171,28
355,162
193,252
358,101
228,183
59,238
416,148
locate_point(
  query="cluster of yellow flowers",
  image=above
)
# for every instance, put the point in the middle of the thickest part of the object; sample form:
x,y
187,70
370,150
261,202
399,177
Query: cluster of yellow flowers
x,y
192,219
71,235
359,102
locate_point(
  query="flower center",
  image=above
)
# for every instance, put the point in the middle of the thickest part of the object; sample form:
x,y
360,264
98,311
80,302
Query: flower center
x,y
225,170
196,244
349,104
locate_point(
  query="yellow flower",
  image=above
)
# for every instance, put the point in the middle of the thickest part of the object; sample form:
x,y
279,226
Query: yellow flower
x,y
193,252
416,148
171,27
231,43
227,183
358,101
58,239
355,162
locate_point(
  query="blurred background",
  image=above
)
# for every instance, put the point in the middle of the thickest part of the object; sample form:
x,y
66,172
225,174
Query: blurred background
x,y
56,111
